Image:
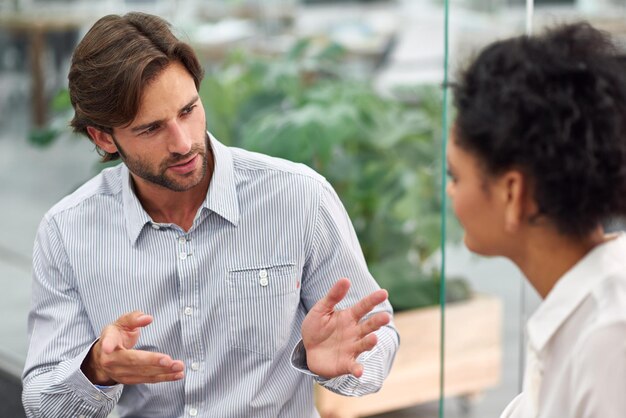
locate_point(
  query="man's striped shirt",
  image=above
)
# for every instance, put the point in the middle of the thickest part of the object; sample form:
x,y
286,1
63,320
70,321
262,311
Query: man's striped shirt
x,y
228,296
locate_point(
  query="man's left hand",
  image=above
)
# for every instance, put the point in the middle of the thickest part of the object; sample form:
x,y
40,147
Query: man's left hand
x,y
333,339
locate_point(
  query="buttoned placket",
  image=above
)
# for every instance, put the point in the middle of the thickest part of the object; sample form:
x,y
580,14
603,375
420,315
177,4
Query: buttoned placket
x,y
190,318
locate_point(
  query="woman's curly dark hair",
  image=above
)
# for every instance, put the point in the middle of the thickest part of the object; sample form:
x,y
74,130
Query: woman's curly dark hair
x,y
554,107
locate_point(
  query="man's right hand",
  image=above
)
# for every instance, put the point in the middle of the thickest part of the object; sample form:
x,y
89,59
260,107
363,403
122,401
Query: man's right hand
x,y
112,359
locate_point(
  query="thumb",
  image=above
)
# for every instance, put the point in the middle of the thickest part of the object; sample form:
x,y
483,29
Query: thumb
x,y
110,341
124,332
133,320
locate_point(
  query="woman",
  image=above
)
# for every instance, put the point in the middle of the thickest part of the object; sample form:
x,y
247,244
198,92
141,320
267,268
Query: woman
x,y
537,164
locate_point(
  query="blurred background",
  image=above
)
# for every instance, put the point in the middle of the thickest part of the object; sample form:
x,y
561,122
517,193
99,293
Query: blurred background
x,y
350,88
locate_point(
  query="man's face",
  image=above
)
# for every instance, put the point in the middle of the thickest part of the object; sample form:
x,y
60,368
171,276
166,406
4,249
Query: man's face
x,y
166,143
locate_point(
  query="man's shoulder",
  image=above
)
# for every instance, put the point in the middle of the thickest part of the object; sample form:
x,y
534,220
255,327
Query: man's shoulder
x,y
107,183
249,161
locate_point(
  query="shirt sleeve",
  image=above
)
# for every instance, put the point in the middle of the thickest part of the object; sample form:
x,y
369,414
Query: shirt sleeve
x,y
60,337
598,381
334,252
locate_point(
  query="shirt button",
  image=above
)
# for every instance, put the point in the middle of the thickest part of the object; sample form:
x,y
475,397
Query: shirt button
x,y
182,256
155,226
195,366
182,240
263,273
188,311
263,282
98,397
193,412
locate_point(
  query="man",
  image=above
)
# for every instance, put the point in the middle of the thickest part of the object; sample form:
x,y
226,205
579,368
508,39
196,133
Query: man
x,y
200,279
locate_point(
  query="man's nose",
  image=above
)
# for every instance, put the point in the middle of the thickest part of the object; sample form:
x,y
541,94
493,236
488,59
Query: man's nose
x,y
178,142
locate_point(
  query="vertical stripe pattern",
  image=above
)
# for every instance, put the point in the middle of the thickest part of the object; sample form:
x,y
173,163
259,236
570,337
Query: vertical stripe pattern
x,y
228,296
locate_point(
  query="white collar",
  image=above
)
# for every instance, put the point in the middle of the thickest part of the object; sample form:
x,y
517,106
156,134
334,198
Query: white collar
x,y
572,288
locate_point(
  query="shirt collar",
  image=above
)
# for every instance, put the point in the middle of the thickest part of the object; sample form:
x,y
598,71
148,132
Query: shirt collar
x,y
136,216
221,197
572,288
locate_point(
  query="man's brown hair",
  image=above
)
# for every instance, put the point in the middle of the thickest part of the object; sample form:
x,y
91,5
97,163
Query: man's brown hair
x,y
112,65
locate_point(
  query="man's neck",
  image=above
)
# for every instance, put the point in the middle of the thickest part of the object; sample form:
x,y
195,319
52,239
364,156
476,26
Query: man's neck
x,y
178,208
168,206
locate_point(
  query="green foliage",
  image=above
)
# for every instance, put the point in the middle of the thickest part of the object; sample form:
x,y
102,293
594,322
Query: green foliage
x,y
61,108
43,137
61,101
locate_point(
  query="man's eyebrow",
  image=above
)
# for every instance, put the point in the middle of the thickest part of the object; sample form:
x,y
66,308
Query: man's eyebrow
x,y
158,122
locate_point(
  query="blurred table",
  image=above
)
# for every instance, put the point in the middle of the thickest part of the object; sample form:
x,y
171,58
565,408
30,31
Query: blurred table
x,y
36,26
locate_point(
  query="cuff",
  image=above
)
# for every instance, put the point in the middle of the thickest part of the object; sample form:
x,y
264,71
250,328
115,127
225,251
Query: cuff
x,y
93,395
298,362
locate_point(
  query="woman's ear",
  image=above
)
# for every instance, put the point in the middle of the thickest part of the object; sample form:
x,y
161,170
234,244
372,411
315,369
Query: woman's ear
x,y
515,193
102,140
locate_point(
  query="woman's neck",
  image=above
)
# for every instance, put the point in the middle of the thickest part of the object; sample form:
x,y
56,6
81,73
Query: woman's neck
x,y
546,255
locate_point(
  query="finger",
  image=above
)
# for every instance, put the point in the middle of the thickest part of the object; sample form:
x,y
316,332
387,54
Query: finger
x,y
374,323
139,359
158,378
367,343
365,305
132,320
356,370
121,373
177,366
126,363
335,294
172,365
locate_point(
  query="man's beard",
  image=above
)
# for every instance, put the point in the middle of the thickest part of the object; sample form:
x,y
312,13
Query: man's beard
x,y
141,168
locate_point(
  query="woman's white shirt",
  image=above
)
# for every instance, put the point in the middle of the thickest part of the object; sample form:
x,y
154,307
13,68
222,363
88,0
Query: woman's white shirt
x,y
576,351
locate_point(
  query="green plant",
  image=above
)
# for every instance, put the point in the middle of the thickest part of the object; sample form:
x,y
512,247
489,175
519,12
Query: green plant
x,y
381,154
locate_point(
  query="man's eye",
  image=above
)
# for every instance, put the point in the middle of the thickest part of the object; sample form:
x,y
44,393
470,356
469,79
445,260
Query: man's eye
x,y
150,130
188,110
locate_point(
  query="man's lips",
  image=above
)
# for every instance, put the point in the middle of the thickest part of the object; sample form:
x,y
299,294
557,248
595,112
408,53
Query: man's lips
x,y
186,166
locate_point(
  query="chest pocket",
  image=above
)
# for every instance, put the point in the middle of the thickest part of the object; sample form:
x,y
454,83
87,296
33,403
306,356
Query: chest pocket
x,y
262,307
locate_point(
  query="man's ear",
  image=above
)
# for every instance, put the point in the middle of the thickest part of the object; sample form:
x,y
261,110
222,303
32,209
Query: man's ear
x,y
514,191
102,140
